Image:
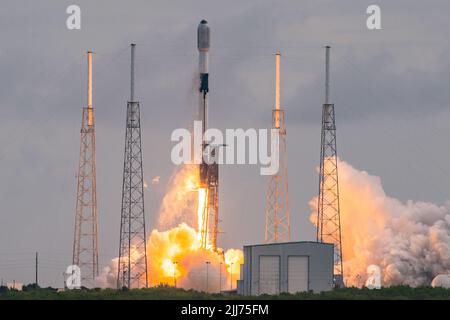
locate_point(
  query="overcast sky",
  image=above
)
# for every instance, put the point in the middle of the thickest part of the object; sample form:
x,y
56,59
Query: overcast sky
x,y
390,88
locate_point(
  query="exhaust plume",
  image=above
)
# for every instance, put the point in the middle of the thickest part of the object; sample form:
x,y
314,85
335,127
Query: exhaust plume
x,y
174,250
409,241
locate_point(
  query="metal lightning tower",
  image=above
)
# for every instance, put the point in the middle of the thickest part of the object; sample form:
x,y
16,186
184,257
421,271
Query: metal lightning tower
x,y
328,211
85,248
278,225
132,268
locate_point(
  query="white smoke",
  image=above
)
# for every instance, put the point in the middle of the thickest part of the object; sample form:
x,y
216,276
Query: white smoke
x,y
441,281
108,275
409,241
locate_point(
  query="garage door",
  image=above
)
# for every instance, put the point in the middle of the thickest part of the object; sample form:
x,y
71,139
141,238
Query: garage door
x,y
269,274
297,274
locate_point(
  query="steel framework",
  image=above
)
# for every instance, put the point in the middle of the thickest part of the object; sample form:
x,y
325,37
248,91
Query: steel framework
x,y
132,264
213,200
278,225
328,210
209,177
85,244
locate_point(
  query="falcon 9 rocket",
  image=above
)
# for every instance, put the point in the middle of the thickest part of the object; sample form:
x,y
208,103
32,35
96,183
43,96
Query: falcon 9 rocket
x,y
208,170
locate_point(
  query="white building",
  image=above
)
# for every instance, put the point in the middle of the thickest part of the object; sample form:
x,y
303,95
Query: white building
x,y
286,267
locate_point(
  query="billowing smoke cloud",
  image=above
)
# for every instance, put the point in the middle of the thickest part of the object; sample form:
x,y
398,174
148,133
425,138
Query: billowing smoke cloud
x,y
177,256
409,241
174,250
108,275
179,202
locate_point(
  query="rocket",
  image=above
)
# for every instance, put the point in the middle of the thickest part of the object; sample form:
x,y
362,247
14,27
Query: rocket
x,y
203,49
203,39
208,169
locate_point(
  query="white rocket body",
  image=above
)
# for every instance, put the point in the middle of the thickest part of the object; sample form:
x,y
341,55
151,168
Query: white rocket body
x,y
203,49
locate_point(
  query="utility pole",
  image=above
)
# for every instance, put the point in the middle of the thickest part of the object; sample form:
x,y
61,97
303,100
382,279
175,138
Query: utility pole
x,y
36,269
207,265
231,279
220,277
174,274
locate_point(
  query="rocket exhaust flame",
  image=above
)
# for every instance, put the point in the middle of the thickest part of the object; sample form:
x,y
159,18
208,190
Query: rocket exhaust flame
x,y
176,254
202,216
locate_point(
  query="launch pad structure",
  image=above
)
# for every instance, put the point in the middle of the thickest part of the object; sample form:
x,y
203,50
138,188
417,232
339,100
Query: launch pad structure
x,y
132,264
328,208
277,213
85,242
132,268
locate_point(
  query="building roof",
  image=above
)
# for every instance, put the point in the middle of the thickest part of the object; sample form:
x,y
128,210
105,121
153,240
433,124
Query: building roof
x,y
292,242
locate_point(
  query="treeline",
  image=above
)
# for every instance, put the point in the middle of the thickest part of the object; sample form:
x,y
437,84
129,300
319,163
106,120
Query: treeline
x,y
170,293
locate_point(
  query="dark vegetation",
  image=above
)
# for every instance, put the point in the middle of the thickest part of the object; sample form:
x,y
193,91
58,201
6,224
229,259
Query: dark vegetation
x,y
169,293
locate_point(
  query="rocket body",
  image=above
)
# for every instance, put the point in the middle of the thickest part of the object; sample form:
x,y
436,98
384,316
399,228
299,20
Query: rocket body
x,y
203,49
203,43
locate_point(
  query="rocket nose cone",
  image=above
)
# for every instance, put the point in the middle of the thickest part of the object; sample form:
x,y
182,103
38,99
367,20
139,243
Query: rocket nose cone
x,y
203,36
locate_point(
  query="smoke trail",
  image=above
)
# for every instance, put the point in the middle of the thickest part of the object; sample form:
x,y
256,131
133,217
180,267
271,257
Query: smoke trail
x,y
178,204
108,275
409,241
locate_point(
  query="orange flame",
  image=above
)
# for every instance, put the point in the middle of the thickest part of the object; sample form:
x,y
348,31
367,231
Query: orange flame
x,y
176,255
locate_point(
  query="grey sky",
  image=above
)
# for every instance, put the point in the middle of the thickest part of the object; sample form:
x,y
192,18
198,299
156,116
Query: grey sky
x,y
390,88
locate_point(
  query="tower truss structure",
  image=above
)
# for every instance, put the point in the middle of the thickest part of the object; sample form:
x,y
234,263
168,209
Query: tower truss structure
x,y
85,244
278,225
328,210
132,264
